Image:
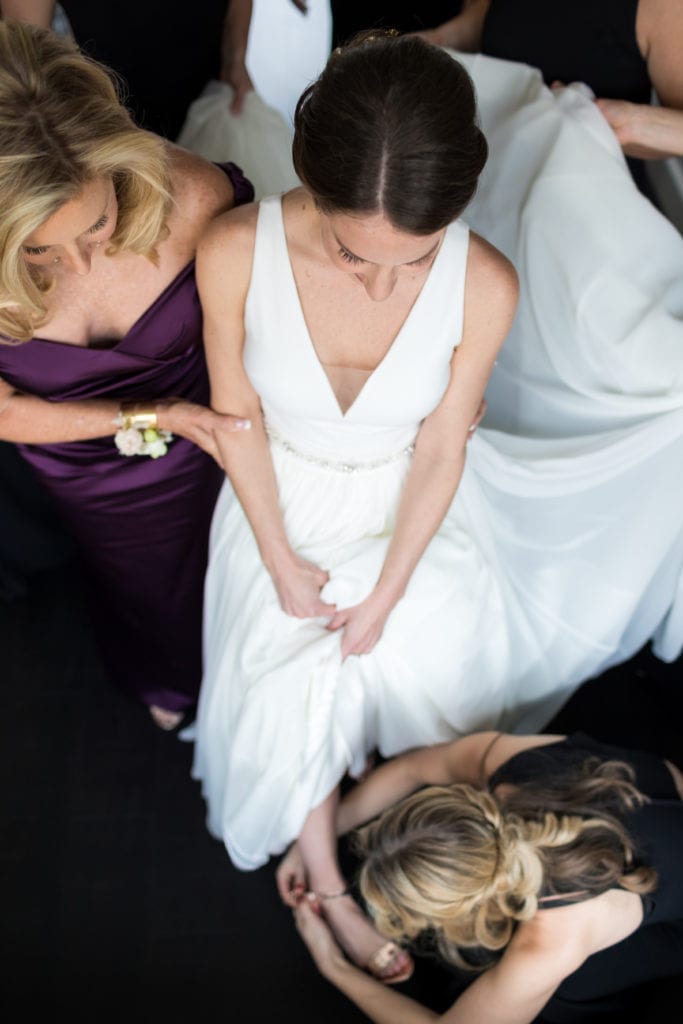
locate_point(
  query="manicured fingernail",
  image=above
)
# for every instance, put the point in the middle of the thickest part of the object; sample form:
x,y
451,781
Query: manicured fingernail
x,y
243,424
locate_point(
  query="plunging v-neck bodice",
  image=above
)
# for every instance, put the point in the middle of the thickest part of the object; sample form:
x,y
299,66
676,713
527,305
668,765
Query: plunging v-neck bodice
x,y
296,395
307,337
345,379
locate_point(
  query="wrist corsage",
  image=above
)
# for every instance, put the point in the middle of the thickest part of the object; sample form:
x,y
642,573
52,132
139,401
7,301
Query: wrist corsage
x,y
139,432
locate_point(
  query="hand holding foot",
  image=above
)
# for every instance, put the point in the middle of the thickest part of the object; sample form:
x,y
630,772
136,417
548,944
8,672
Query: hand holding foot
x,y
317,935
362,943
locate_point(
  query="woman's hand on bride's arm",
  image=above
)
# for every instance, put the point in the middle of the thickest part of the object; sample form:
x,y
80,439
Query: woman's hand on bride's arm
x,y
199,424
298,583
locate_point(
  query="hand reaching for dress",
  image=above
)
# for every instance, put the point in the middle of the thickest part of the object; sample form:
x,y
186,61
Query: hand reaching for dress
x,y
235,73
234,49
644,130
298,583
363,624
198,423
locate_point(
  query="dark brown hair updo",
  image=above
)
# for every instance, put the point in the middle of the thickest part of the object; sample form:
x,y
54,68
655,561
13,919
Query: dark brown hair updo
x,y
390,126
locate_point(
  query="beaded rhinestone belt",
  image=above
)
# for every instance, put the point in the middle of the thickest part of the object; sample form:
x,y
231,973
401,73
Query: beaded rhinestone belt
x,y
337,466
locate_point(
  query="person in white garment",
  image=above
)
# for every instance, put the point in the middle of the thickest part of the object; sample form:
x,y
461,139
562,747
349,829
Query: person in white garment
x,y
288,45
380,577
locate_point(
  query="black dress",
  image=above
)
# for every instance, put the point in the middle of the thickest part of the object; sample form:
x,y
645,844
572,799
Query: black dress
x,y
585,41
164,57
351,16
601,986
591,41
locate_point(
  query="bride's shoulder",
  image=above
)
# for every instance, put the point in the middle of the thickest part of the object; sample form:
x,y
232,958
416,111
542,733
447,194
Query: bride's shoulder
x,y
491,290
490,271
485,260
234,228
228,241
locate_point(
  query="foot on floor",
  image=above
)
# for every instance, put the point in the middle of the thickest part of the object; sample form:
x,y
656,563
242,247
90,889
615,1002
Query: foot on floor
x,y
166,720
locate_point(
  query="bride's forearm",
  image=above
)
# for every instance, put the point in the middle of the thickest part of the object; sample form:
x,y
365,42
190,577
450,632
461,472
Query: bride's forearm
x,y
250,470
429,491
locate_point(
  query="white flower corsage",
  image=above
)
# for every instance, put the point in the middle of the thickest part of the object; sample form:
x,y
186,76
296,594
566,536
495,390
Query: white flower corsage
x,y
134,441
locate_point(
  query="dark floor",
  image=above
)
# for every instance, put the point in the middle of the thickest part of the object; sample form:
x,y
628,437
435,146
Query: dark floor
x,y
116,903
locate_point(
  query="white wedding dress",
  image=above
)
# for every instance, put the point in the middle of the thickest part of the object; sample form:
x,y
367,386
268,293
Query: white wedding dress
x,y
534,581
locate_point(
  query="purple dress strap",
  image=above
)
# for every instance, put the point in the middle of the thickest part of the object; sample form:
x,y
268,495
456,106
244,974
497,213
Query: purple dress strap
x,y
244,190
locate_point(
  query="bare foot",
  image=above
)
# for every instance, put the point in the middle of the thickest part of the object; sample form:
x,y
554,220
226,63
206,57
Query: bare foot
x,y
166,720
363,943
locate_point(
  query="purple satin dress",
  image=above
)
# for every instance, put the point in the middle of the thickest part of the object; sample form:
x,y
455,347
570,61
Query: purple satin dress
x,y
141,524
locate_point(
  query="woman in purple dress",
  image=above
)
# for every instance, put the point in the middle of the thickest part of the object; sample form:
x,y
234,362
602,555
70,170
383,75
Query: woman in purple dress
x,y
103,382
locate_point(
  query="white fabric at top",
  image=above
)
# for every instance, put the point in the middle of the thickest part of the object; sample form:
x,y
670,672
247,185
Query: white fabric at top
x,y
558,557
257,139
598,338
287,49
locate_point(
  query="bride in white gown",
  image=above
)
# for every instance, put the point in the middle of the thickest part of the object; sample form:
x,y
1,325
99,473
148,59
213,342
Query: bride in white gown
x,y
368,587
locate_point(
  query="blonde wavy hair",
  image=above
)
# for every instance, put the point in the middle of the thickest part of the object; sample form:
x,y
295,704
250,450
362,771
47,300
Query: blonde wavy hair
x,y
457,864
63,125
